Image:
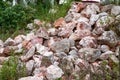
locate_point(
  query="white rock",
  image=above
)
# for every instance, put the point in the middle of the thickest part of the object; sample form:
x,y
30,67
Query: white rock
x,y
54,72
1,43
88,42
18,39
106,55
93,19
1,51
30,26
9,42
115,10
29,66
30,36
38,60
29,54
90,9
104,48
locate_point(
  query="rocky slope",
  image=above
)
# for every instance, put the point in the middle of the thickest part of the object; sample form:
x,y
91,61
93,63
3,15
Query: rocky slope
x,y
74,48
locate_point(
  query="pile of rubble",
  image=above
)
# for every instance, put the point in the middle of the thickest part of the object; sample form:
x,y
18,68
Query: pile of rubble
x,y
79,42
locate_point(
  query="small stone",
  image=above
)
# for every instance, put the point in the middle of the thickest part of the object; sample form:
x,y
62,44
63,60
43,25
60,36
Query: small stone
x,y
115,10
30,66
30,36
114,59
54,72
30,26
104,21
68,18
52,31
2,59
9,42
79,34
42,33
1,51
104,48
89,54
88,42
29,54
37,22
18,39
62,46
90,9
83,26
93,19
106,55
31,78
1,43
109,38
38,60
59,22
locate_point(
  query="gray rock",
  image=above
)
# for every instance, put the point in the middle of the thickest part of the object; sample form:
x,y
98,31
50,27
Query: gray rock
x,y
115,10
109,38
89,54
104,21
31,78
30,66
62,46
54,72
29,54
93,19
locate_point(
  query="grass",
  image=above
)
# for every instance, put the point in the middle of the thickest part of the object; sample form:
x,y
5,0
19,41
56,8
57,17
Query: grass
x,y
11,69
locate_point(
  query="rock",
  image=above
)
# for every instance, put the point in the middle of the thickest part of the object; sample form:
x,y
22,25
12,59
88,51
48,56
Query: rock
x,y
79,34
82,19
117,51
30,36
52,31
103,14
98,30
61,54
109,38
1,51
106,8
69,18
41,49
83,26
37,59
89,54
88,42
59,22
67,29
30,26
37,22
7,50
29,54
106,55
104,48
90,9
73,53
54,72
37,41
42,33
82,64
93,19
79,7
104,22
2,59
9,42
62,46
115,10
1,44
114,59
30,66
18,39
19,48
31,78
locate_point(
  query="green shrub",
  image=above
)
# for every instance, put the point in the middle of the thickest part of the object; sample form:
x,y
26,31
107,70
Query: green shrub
x,y
11,69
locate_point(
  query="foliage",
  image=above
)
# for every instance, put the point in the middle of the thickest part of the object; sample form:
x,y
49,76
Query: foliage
x,y
11,69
